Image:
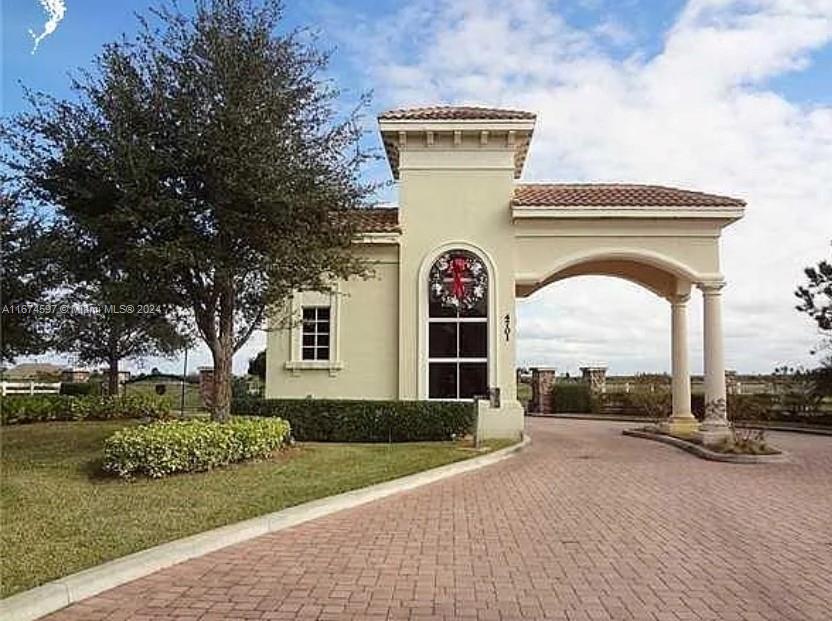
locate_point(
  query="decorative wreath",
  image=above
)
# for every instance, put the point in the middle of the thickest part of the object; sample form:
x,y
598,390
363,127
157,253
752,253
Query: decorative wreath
x,y
458,280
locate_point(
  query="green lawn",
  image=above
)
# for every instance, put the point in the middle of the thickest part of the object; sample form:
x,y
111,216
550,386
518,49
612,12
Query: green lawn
x,y
60,515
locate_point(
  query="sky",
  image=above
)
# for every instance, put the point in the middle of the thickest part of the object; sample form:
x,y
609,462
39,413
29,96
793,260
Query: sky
x,y
726,96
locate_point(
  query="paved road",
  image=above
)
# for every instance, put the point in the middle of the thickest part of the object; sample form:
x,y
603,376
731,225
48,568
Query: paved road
x,y
585,524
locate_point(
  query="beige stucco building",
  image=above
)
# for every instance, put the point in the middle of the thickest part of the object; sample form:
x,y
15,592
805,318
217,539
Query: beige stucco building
x,y
467,239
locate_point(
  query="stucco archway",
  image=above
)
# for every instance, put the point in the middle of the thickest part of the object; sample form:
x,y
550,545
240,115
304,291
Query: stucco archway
x,y
664,276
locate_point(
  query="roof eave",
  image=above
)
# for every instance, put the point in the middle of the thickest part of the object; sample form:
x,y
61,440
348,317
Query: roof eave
x,y
396,125
378,237
727,213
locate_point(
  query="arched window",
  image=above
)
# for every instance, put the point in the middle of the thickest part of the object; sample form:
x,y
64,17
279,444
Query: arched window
x,y
458,327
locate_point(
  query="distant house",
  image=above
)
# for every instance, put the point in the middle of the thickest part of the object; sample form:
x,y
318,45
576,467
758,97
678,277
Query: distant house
x,y
31,371
75,376
123,376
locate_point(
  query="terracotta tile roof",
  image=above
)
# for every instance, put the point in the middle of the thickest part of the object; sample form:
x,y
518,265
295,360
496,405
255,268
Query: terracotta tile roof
x,y
376,220
455,113
614,195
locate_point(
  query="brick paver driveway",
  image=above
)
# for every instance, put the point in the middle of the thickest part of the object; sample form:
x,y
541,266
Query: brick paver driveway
x,y
585,524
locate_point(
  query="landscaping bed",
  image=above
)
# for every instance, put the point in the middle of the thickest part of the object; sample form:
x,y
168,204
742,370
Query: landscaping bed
x,y
61,513
746,446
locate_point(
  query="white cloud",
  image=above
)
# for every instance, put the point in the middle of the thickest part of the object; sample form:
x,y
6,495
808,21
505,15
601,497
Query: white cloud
x,y
55,11
697,114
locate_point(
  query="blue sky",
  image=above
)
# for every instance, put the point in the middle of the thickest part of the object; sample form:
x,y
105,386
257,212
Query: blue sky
x,y
732,96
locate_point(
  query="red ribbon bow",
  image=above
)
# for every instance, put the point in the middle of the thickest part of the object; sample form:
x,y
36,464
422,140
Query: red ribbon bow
x,y
458,268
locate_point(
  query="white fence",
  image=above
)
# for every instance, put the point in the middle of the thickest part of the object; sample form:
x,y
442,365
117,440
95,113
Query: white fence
x,y
29,388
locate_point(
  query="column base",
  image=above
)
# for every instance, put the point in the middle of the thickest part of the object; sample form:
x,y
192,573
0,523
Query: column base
x,y
680,425
507,421
714,435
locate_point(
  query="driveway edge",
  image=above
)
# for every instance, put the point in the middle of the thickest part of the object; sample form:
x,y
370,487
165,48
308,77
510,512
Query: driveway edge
x,y
52,596
701,451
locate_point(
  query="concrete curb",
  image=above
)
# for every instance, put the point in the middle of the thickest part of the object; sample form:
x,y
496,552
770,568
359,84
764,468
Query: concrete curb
x,y
701,451
752,424
52,596
615,418
816,431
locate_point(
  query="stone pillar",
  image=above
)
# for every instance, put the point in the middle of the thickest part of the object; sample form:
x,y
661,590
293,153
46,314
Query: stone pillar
x,y
543,378
596,377
206,386
714,427
681,419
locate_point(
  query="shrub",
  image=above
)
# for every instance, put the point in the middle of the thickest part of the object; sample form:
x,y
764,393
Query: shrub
x,y
18,409
163,448
572,398
344,420
76,388
751,407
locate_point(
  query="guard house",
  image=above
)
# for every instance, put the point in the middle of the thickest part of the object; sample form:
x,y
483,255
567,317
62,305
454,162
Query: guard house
x,y
467,239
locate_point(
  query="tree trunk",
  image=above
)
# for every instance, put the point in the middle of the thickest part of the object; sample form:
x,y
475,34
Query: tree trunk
x,y
112,377
222,354
223,349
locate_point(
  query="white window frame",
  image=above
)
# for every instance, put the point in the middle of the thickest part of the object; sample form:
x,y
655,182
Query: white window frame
x,y
421,290
425,320
312,328
296,364
457,321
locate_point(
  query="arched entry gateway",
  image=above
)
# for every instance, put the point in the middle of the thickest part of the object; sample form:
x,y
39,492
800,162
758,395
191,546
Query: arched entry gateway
x,y
438,321
673,282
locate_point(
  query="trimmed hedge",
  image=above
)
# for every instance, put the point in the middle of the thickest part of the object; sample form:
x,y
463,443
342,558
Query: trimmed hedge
x,y
164,448
573,398
20,409
76,389
344,420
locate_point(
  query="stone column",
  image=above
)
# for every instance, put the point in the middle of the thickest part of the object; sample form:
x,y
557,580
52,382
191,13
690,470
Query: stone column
x,y
714,427
596,377
681,419
543,378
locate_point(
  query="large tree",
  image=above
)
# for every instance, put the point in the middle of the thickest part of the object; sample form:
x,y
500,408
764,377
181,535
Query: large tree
x,y
226,166
106,326
27,273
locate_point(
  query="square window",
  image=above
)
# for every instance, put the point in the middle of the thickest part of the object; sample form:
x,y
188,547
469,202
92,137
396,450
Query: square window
x,y
309,353
323,353
473,340
308,340
442,381
442,340
473,380
323,340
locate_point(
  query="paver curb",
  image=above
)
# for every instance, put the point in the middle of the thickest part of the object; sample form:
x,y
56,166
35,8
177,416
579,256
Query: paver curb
x,y
52,596
605,418
701,451
751,424
788,427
